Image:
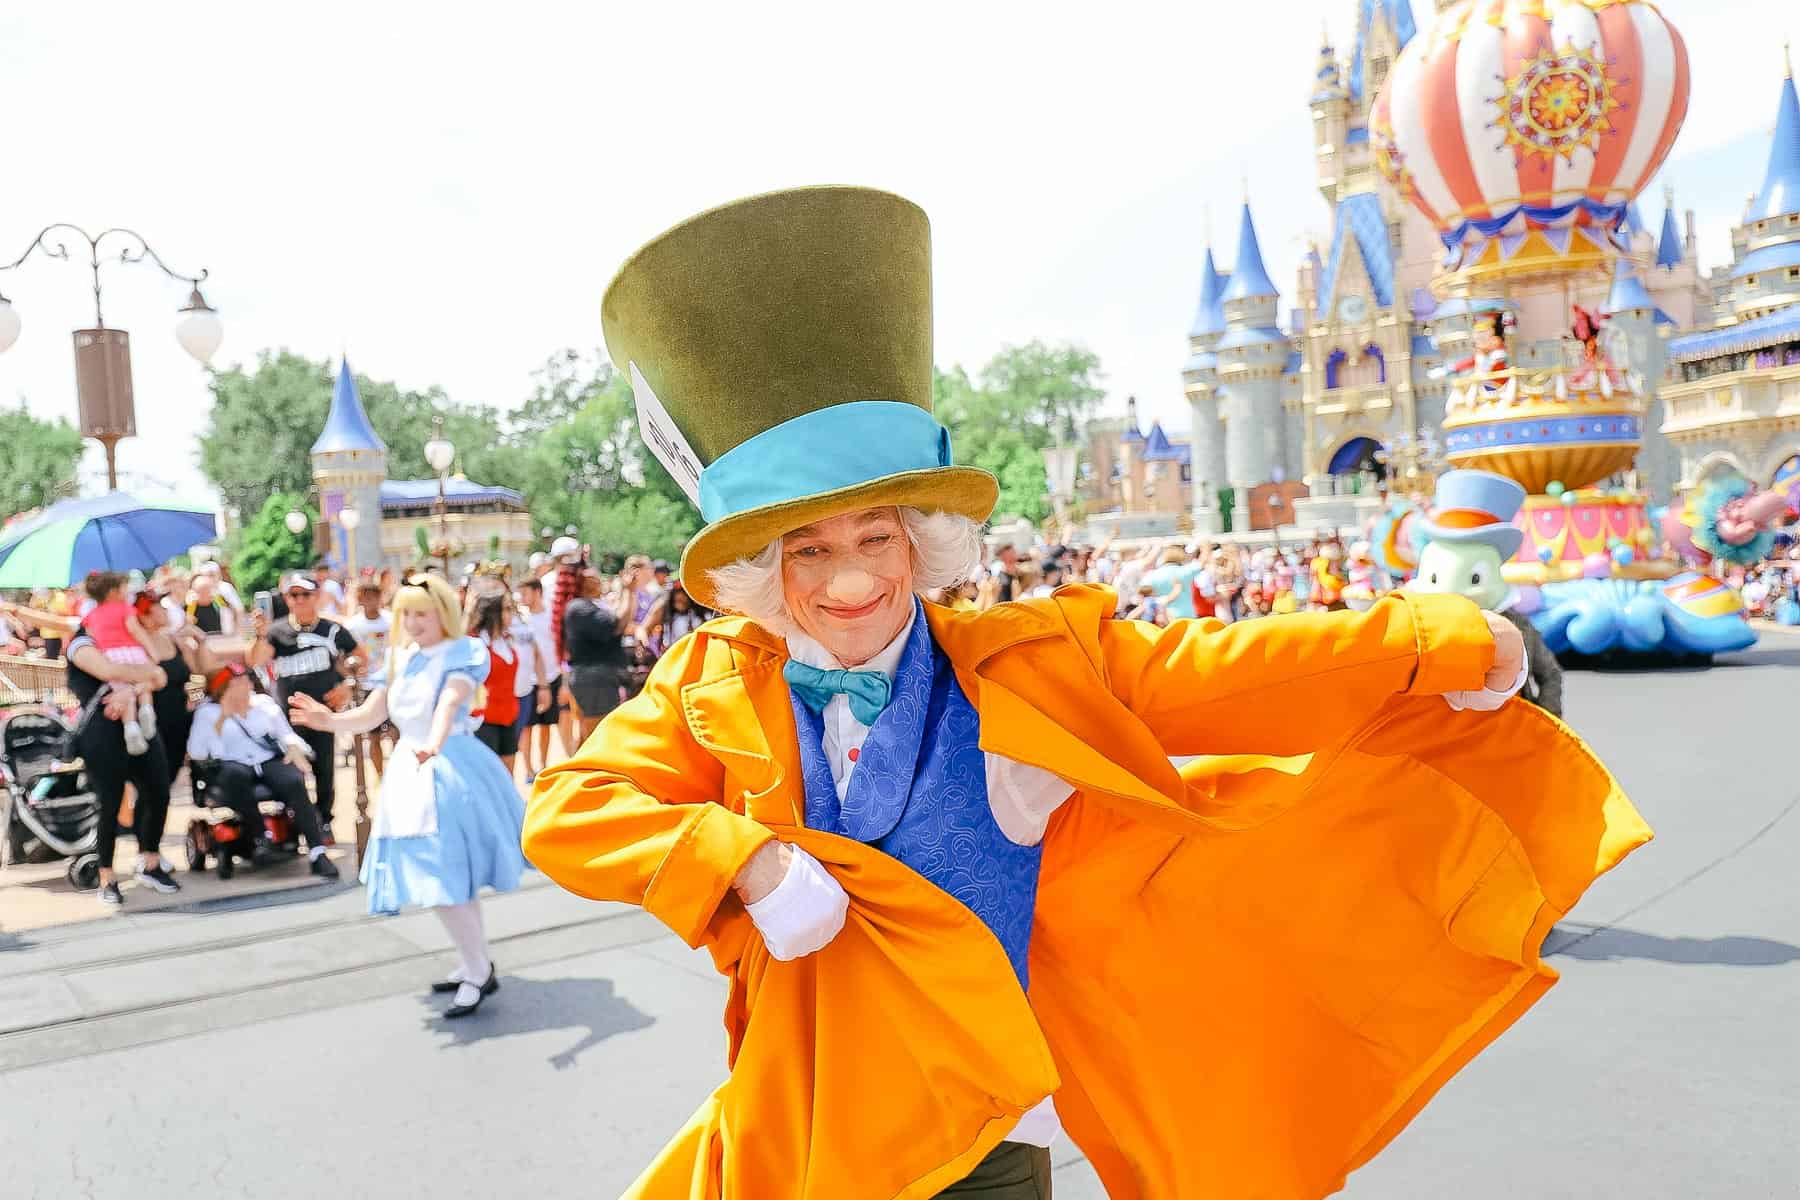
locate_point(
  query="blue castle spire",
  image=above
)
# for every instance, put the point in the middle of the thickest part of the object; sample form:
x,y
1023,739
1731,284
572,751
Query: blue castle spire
x,y
1249,278
1396,13
1629,292
1210,317
347,425
1668,245
1780,192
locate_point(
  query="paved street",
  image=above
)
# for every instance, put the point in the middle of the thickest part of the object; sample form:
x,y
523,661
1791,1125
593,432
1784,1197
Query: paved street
x,y
286,1047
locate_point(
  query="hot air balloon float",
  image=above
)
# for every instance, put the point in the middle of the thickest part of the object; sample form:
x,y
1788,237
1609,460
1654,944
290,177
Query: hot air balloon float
x,y
1523,129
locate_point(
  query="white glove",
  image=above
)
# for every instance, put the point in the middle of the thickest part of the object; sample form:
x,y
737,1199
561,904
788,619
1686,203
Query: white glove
x,y
804,912
1487,699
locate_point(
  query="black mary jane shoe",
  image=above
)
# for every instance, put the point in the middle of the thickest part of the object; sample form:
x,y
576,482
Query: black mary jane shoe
x,y
463,1010
444,987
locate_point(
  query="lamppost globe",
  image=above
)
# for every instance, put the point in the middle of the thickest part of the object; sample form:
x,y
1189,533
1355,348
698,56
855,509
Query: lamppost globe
x,y
350,518
199,331
440,453
295,521
9,325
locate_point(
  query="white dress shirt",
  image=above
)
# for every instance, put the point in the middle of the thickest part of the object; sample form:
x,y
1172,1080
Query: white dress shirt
x,y
239,739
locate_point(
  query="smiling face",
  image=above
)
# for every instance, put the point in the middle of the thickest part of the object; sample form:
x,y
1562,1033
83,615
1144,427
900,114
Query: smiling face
x,y
303,605
422,625
848,582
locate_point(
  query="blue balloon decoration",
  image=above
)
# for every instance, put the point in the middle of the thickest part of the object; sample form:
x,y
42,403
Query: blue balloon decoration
x,y
1546,553
1635,616
1568,499
1622,555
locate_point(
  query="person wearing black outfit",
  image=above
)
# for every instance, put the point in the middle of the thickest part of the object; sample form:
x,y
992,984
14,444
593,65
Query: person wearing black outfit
x,y
307,652
594,644
104,690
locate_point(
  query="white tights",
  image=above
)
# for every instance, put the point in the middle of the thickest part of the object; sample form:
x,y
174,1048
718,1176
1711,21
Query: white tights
x,y
463,923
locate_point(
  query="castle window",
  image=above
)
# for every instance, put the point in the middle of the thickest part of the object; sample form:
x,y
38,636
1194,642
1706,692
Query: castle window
x,y
1794,272
1378,69
1394,235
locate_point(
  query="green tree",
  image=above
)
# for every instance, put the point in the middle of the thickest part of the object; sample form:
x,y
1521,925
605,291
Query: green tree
x,y
37,460
1027,399
265,548
585,465
263,423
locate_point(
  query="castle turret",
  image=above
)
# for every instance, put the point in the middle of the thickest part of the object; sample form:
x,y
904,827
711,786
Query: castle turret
x,y
1670,249
1331,119
1252,354
349,465
1634,334
1200,381
1767,275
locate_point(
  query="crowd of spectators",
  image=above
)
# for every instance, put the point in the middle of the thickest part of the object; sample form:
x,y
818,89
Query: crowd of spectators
x,y
1162,580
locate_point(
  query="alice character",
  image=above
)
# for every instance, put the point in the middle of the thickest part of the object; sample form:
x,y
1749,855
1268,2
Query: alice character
x,y
449,815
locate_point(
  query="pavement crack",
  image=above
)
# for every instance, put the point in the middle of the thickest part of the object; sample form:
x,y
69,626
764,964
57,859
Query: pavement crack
x,y
1684,881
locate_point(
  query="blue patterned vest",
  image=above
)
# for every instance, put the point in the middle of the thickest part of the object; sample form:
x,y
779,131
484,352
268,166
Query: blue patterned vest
x,y
919,793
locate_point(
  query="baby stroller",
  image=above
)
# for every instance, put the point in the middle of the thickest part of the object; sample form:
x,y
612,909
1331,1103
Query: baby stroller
x,y
220,833
48,811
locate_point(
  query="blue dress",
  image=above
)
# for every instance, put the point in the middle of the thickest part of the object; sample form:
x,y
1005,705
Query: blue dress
x,y
450,827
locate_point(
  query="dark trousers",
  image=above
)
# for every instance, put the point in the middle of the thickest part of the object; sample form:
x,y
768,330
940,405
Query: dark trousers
x,y
324,747
237,786
109,769
1011,1171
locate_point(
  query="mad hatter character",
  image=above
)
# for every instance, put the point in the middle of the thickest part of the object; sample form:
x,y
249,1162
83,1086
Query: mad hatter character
x,y
963,898
1468,534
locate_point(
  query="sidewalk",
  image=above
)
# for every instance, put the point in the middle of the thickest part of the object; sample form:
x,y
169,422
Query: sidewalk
x,y
38,895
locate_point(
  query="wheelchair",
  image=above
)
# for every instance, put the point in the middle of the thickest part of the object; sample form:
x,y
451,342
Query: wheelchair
x,y
219,834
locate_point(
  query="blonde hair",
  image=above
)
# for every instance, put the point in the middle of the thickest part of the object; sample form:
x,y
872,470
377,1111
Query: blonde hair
x,y
946,549
422,593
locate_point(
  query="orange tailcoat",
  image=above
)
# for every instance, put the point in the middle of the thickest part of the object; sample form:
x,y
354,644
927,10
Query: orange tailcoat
x,y
1246,975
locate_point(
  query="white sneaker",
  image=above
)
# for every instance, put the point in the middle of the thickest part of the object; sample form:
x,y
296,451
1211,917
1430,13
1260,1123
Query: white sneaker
x,y
135,741
147,719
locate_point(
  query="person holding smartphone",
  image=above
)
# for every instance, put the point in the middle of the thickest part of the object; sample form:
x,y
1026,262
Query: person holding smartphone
x,y
307,653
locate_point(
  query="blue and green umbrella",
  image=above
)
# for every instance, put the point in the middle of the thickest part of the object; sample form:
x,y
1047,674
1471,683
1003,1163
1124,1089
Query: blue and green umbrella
x,y
114,532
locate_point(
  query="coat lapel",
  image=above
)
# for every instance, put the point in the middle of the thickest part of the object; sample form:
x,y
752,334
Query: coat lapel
x,y
739,712
1016,728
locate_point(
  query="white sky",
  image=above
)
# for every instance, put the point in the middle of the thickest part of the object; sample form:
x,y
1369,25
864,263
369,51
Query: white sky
x,y
444,190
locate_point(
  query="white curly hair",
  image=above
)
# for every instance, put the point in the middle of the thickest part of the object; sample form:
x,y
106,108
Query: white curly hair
x,y
946,550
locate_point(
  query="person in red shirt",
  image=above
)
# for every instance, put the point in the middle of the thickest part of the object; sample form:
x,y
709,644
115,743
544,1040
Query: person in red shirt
x,y
489,620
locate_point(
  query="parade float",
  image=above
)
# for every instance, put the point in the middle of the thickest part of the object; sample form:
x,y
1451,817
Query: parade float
x,y
1523,131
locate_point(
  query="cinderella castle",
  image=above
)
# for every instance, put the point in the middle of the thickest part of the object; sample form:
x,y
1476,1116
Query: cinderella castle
x,y
1297,421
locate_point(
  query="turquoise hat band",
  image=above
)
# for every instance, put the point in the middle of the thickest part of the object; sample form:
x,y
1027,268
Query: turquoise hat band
x,y
822,451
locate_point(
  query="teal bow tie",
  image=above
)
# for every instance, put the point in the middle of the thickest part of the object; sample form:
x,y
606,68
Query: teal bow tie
x,y
867,691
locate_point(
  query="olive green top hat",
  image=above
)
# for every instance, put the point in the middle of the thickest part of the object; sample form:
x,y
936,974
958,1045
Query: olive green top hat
x,y
788,338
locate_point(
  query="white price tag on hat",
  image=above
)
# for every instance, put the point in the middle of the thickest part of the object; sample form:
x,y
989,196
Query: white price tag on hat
x,y
664,438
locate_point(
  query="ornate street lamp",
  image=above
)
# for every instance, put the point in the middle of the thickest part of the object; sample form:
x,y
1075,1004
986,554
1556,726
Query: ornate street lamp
x,y
350,518
439,454
103,356
295,521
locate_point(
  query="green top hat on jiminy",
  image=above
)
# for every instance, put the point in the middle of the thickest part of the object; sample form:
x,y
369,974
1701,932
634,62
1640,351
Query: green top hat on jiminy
x,y
788,339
